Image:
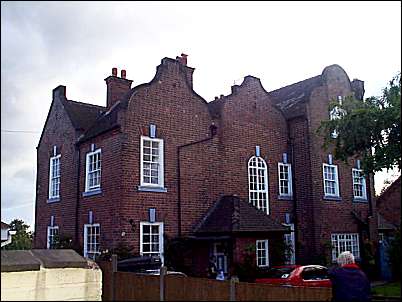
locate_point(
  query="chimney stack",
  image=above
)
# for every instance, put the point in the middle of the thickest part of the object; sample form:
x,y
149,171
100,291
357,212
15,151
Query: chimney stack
x,y
116,87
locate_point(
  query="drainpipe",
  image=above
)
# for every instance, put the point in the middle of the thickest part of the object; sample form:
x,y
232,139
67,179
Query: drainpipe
x,y
213,130
292,162
78,198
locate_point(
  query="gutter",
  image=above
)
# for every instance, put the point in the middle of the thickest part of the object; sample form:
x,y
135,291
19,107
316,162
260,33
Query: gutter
x,y
213,130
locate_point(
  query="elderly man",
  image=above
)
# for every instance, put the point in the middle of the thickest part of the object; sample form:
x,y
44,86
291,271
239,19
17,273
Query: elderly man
x,y
349,282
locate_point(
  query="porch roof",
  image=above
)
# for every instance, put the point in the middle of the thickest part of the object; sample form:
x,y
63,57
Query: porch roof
x,y
233,215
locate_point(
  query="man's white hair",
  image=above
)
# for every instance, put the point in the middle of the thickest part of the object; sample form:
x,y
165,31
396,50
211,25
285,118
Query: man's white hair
x,y
345,258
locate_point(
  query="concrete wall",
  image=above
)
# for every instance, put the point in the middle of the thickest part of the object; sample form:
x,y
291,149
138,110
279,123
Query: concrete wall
x,y
56,284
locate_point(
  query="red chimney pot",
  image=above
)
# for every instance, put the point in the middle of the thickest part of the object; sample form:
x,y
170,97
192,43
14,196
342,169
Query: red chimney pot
x,y
114,71
123,73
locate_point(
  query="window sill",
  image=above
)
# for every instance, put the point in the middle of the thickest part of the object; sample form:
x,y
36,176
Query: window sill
x,y
336,198
285,197
360,200
91,193
152,189
53,199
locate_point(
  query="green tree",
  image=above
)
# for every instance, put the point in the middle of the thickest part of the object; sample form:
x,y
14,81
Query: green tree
x,y
369,129
22,240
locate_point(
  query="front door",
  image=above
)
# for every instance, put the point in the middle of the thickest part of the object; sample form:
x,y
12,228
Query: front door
x,y
220,251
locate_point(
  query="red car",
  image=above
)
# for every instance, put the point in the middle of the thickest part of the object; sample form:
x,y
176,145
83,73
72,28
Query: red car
x,y
296,275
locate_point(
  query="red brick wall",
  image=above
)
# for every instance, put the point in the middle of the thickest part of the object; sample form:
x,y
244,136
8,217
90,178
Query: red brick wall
x,y
180,117
106,206
389,203
60,132
209,170
249,119
329,216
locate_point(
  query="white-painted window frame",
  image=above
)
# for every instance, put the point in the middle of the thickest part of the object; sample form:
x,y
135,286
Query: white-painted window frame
x,y
89,188
54,181
160,238
290,240
342,242
361,183
51,232
159,163
262,261
336,180
256,186
288,179
86,243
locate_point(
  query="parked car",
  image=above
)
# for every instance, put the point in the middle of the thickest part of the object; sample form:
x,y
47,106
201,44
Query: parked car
x,y
296,275
145,265
157,273
139,264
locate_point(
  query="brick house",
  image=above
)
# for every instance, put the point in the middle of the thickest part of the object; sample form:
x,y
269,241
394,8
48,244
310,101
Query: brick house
x,y
389,209
159,161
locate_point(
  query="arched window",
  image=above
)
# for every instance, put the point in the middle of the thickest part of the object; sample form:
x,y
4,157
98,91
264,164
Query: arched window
x,y
258,183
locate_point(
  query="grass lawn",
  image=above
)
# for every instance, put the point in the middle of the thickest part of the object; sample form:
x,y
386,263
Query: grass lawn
x,y
390,289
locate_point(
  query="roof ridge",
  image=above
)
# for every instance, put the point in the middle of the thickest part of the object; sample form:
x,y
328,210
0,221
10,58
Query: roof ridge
x,y
86,104
299,82
388,188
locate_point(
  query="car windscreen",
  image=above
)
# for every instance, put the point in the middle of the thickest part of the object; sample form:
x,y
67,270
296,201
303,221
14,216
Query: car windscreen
x,y
277,272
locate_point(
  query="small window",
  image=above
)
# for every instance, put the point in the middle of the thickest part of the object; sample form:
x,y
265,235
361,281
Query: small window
x,y
52,234
54,177
359,184
262,253
151,239
91,240
93,170
285,179
151,162
345,242
331,184
258,183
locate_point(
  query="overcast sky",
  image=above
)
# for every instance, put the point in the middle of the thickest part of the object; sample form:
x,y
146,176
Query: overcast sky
x,y
76,44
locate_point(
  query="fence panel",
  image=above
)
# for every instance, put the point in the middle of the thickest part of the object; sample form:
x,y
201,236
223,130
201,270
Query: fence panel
x,y
264,292
135,287
195,289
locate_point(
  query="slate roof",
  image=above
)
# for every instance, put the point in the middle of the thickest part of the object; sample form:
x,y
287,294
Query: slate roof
x,y
103,123
4,225
82,115
231,214
290,99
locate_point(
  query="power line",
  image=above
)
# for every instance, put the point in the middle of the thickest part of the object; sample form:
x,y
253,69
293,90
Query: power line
x,y
19,131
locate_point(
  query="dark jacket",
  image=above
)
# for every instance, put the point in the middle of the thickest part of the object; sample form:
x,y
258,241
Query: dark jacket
x,y
349,283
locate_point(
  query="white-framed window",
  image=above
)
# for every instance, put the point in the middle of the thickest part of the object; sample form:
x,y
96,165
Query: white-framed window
x,y
258,183
93,170
331,183
151,162
54,177
285,179
262,253
151,239
52,232
345,242
359,184
290,253
91,240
